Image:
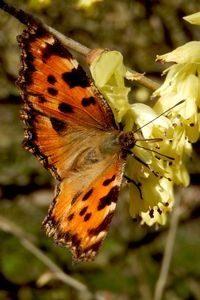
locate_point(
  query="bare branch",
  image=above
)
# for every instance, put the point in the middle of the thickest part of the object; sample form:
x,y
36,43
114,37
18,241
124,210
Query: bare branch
x,y
68,42
8,226
141,79
76,46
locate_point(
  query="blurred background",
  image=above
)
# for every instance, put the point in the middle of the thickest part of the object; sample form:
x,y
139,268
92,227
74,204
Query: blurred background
x,y
129,262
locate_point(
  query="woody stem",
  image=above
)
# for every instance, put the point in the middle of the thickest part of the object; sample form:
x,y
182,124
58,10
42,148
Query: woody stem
x,y
78,47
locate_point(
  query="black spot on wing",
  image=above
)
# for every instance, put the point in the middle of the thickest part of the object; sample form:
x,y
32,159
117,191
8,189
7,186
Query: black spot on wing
x,y
55,49
58,125
102,226
109,198
109,180
41,99
88,101
51,79
76,77
75,197
87,195
83,211
87,217
70,217
65,107
52,91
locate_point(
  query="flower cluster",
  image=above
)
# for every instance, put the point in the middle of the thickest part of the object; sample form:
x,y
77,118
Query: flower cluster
x,y
166,131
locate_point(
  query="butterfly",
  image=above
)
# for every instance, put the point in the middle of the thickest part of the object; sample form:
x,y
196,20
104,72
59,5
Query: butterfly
x,y
71,129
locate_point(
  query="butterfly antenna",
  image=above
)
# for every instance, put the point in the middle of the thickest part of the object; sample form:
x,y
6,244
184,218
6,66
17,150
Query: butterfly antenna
x,y
166,111
156,139
156,152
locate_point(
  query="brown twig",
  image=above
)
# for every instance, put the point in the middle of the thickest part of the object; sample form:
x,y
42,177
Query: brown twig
x,y
68,42
141,79
26,18
83,50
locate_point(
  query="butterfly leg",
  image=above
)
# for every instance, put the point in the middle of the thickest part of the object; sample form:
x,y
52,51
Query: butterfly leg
x,y
137,184
143,163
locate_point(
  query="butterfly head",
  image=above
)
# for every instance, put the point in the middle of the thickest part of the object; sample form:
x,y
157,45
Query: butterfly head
x,y
127,140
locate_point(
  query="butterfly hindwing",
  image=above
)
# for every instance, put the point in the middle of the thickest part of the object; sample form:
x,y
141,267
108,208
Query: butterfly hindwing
x,y
82,210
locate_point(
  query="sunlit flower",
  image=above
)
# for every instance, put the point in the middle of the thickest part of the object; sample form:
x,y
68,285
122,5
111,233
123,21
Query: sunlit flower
x,y
188,53
108,73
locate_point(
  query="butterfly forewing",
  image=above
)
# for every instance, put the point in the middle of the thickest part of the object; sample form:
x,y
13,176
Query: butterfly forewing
x,y
55,85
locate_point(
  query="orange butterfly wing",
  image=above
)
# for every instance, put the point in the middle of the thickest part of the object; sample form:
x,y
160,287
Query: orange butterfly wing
x,y
72,131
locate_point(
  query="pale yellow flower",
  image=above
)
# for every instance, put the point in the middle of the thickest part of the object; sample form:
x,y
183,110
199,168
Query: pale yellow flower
x,y
188,53
108,73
